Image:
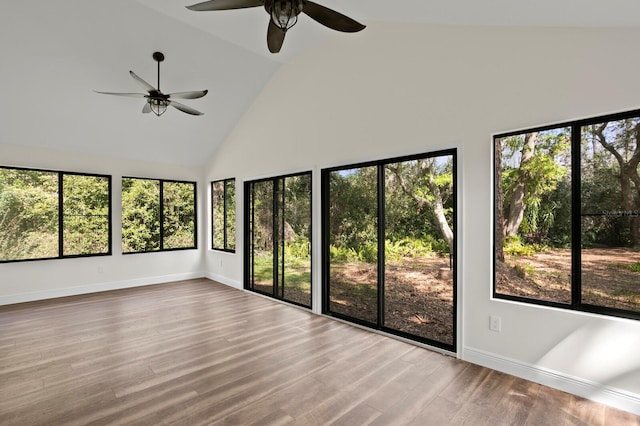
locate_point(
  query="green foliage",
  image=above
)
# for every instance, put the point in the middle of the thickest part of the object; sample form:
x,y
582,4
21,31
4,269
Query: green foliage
x,y
524,270
178,215
298,249
411,247
140,215
353,207
29,202
513,246
607,184
546,180
633,267
416,191
231,214
28,214
223,196
342,254
297,271
141,230
368,252
86,213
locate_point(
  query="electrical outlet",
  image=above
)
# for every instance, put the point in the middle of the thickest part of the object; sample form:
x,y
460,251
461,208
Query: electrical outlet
x,y
495,323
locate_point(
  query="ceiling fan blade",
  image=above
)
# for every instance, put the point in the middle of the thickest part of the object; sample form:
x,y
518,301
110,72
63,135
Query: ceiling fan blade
x,y
275,37
146,85
131,95
184,108
331,18
146,109
224,5
188,95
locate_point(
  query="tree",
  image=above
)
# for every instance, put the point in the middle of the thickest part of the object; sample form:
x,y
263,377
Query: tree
x,y
140,215
85,212
499,206
516,207
28,214
353,207
429,185
531,166
178,230
621,140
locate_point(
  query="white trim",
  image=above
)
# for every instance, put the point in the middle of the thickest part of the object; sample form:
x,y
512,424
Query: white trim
x,y
594,391
95,288
224,280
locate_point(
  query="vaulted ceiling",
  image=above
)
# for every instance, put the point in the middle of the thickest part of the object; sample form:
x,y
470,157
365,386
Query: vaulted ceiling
x,y
56,53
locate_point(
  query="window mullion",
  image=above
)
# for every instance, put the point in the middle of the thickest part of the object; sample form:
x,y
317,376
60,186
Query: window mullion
x,y
60,214
224,214
381,240
576,217
161,216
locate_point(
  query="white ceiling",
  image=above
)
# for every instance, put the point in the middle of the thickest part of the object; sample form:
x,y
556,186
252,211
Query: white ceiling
x,y
56,53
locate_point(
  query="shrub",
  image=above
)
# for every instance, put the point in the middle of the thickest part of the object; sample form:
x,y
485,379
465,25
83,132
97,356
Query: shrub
x,y
342,254
299,249
513,246
368,253
410,247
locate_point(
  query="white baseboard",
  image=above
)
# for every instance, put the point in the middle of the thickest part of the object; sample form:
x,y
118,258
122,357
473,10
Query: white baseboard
x,y
607,395
224,280
95,288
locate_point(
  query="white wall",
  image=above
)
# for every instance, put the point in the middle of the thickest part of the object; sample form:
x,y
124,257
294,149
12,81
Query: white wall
x,y
398,89
24,281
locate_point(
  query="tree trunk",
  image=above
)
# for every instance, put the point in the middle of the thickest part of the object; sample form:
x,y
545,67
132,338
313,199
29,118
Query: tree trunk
x,y
628,175
517,206
626,178
438,209
436,205
498,196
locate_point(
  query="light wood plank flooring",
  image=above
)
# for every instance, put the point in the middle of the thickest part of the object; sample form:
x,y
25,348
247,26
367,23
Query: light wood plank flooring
x,y
200,353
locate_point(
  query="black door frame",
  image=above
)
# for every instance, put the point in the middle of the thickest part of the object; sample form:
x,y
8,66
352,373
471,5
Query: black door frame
x,y
379,325
278,188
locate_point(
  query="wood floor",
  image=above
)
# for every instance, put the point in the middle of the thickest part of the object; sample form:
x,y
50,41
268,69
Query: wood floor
x,y
200,353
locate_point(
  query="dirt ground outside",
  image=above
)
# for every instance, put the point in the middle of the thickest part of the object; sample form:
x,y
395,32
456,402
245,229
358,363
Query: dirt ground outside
x,y
419,291
418,295
610,277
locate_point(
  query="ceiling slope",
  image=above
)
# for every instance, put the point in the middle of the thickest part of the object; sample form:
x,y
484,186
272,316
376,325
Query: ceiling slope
x,y
55,54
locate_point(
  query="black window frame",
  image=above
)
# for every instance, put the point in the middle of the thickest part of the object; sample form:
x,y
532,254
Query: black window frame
x,y
60,183
225,213
576,303
161,183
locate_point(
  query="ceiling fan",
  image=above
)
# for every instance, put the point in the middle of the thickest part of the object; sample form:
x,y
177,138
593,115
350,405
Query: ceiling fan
x,y
284,15
157,101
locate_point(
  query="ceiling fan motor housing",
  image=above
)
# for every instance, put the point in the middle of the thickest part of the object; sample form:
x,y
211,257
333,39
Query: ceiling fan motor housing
x,y
284,13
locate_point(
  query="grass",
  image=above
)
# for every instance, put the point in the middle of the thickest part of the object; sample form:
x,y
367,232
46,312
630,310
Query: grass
x,y
631,296
524,270
297,272
633,267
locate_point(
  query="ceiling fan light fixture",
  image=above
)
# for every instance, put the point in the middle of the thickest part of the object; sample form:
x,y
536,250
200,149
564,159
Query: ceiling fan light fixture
x,y
158,106
284,13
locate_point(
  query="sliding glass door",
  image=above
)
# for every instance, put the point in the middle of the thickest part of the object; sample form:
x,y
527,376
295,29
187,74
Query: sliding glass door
x,y
389,246
278,237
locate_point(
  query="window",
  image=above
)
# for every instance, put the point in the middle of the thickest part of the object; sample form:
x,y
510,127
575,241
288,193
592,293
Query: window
x,y
49,214
158,215
223,215
278,238
567,215
389,247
